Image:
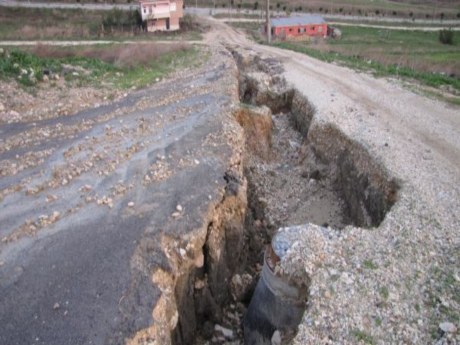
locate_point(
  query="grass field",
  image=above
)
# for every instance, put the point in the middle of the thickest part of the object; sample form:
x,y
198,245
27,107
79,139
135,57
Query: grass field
x,y
120,66
76,24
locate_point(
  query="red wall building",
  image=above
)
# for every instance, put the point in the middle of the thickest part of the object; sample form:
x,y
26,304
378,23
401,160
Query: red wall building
x,y
298,27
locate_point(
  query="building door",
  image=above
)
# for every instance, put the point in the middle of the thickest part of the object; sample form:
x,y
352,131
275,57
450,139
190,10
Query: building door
x,y
167,23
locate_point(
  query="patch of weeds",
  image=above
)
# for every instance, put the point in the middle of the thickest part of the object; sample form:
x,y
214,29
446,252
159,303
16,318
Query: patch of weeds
x,y
378,321
369,264
29,68
443,294
417,308
158,68
384,292
363,336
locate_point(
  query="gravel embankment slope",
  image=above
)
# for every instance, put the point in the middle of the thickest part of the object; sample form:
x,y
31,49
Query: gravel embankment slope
x,y
399,282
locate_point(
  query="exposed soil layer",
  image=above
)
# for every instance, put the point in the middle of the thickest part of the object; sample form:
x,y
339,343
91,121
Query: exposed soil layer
x,y
289,175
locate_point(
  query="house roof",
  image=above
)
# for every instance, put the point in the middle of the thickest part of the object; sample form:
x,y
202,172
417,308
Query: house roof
x,y
306,19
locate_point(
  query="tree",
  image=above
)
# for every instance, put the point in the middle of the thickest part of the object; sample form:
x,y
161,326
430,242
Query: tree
x,y
256,5
446,36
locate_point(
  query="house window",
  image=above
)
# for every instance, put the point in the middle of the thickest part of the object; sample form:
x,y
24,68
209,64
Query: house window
x,y
301,30
320,29
145,10
290,29
313,28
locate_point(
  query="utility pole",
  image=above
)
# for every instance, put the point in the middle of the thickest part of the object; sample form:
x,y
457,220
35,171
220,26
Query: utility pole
x,y
269,29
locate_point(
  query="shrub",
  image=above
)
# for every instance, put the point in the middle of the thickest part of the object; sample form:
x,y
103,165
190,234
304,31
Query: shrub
x,y
446,36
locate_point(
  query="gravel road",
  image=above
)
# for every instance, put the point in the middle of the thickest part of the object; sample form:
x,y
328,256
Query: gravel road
x,y
397,283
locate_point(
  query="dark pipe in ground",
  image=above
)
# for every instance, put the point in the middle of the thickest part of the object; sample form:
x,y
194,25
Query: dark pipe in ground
x,y
279,301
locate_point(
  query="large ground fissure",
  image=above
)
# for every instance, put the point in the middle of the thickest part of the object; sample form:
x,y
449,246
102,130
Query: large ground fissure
x,y
291,173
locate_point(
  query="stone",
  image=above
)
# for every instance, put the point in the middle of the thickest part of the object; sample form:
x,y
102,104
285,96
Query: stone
x,y
130,204
56,306
276,338
179,208
447,327
227,333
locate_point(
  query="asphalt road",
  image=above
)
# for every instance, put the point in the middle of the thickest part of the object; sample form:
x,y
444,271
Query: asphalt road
x,y
82,230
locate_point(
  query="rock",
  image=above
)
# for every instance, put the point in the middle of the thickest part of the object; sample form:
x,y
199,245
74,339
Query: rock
x,y
276,338
199,260
179,208
56,306
45,78
14,114
2,51
199,284
447,327
130,204
227,333
346,278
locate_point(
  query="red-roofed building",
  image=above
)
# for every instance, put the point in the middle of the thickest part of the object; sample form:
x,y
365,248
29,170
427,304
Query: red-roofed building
x,y
298,27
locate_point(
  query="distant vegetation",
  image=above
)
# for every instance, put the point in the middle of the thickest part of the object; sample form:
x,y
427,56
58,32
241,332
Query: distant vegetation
x,y
446,36
430,9
77,24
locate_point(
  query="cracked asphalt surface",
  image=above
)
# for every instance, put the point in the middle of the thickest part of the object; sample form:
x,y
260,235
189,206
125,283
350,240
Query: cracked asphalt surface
x,y
110,180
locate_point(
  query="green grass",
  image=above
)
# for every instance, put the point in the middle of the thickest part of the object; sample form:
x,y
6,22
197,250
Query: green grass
x,y
28,68
442,287
144,75
369,264
384,292
363,337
